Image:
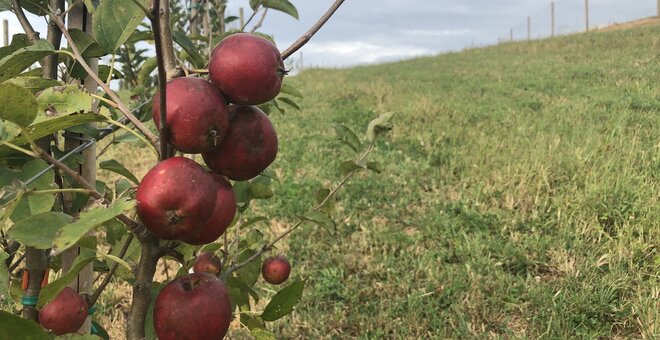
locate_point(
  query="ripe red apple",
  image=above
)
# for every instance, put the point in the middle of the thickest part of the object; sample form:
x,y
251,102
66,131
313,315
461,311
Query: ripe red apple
x,y
196,114
247,68
276,269
207,263
221,217
175,198
249,147
195,306
65,314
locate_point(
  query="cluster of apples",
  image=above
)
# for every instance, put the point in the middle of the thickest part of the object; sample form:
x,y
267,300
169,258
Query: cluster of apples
x,y
179,200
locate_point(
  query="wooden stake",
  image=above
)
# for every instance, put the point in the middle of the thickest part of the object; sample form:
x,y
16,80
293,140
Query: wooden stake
x,y
552,18
5,31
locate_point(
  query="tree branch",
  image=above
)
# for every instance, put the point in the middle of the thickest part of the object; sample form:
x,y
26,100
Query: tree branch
x,y
167,43
157,22
304,39
142,288
122,107
54,36
132,225
23,20
254,13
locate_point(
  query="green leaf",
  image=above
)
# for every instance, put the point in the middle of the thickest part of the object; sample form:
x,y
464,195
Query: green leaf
x,y
115,21
17,105
348,167
289,102
49,292
39,230
255,3
329,205
117,260
63,100
100,331
320,219
18,41
194,57
283,302
379,125
148,66
33,84
70,234
35,204
250,273
281,5
260,190
8,130
262,334
78,72
4,273
348,137
37,7
20,328
16,62
50,126
87,45
290,90
375,167
116,167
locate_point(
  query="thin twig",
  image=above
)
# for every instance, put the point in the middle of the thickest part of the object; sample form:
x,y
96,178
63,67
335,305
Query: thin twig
x,y
132,225
310,33
256,9
124,110
23,20
270,245
162,79
260,22
122,252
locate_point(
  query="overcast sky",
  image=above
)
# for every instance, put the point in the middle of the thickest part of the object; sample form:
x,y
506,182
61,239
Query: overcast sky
x,y
365,31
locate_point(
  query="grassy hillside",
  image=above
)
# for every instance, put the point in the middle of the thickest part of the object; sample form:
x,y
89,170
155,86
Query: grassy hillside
x,y
519,197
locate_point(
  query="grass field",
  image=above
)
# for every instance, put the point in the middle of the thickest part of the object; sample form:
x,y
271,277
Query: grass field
x,y
519,197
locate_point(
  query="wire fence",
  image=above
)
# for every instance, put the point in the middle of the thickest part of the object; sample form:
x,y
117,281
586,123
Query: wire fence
x,y
561,17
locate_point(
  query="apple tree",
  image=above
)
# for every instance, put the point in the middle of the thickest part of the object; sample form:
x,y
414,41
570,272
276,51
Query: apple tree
x,y
208,90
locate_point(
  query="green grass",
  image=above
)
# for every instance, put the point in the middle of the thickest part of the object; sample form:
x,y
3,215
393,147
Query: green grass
x,y
519,197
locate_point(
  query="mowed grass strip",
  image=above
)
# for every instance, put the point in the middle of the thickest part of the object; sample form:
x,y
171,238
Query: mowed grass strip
x,y
519,197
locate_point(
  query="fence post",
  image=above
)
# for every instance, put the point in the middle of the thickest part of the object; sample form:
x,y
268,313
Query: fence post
x,y
5,31
80,18
586,14
511,34
529,28
658,9
242,17
552,18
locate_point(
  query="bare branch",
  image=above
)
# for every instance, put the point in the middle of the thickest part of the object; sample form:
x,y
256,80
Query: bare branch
x,y
304,39
142,288
157,24
122,107
260,22
23,20
167,43
256,9
54,36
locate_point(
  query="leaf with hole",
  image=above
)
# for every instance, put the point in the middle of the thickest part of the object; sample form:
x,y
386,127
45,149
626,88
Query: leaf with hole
x,y
61,101
283,302
33,84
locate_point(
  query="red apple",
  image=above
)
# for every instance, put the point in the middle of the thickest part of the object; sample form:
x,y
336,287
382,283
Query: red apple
x,y
207,263
247,68
196,114
276,269
175,198
249,147
65,314
221,217
195,306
